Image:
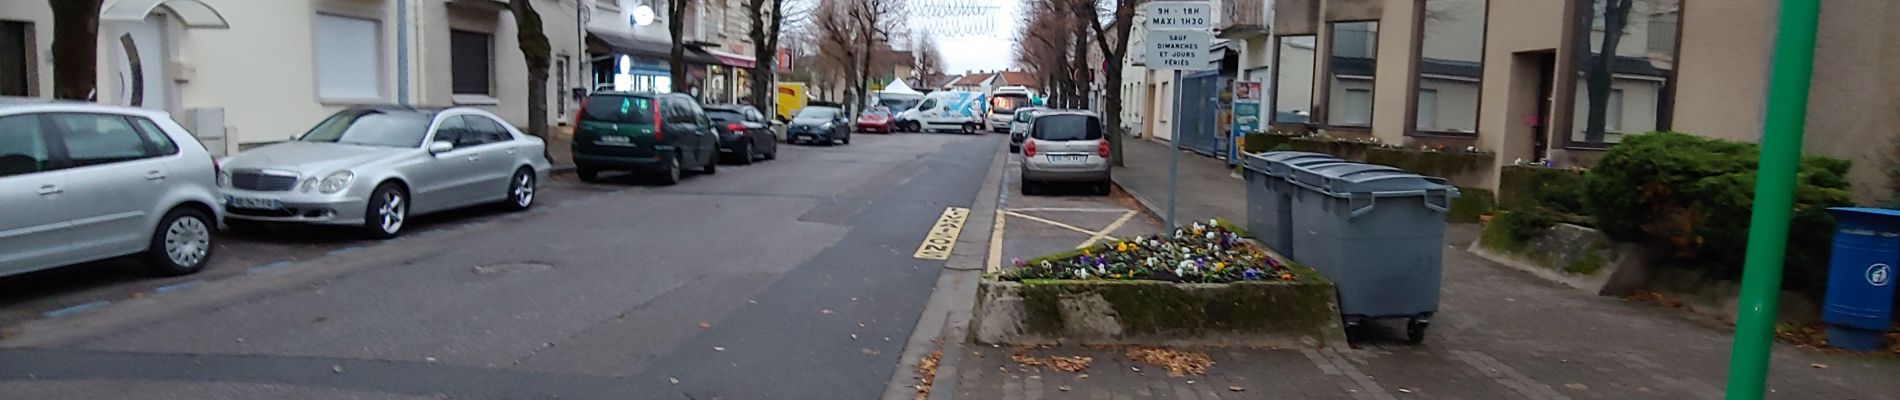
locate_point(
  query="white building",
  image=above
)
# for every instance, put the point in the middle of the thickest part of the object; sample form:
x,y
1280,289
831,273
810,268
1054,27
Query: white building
x,y
245,72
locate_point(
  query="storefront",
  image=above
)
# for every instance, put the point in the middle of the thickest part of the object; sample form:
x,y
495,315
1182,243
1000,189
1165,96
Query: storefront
x,y
625,63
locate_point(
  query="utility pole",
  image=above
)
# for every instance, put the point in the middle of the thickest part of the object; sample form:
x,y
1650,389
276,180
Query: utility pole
x,y
1789,72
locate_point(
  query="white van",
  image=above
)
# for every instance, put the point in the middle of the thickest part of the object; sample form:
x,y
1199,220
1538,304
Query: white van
x,y
949,110
1003,103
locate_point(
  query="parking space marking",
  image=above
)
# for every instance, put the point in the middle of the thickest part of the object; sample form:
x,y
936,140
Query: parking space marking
x,y
1013,213
1103,235
942,237
1100,210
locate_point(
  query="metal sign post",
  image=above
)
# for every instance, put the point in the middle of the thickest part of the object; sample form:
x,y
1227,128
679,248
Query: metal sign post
x,y
1177,38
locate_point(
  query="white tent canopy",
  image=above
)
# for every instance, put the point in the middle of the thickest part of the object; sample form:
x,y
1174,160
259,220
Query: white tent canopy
x,y
897,86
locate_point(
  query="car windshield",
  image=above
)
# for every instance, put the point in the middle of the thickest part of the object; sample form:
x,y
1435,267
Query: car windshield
x,y
876,112
1024,115
724,115
618,109
1008,103
1067,127
816,114
927,104
372,127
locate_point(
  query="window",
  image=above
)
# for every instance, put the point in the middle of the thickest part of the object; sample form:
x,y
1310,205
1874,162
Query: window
x,y
371,128
1450,67
470,53
1624,71
160,142
16,42
93,139
483,130
348,58
618,109
1613,121
22,146
1293,82
1067,127
452,130
1351,68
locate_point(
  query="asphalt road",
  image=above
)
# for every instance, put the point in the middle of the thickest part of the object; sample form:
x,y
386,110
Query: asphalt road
x,y
789,279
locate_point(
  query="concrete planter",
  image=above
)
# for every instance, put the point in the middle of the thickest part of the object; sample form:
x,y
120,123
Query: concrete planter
x,y
1282,314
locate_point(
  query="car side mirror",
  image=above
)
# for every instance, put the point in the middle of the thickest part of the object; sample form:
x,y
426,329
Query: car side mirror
x,y
441,146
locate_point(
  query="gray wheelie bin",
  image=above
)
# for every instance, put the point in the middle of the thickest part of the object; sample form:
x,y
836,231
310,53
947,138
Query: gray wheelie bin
x,y
1378,233
1270,198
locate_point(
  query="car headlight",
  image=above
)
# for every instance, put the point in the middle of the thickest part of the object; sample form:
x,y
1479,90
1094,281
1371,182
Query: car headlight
x,y
224,179
827,125
335,182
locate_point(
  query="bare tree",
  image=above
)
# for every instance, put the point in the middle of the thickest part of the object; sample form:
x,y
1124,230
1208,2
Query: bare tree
x,y
536,52
765,43
1112,40
878,21
837,35
676,26
929,59
1043,46
75,47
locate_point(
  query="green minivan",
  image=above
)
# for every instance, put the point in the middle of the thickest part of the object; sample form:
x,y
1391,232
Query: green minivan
x,y
649,133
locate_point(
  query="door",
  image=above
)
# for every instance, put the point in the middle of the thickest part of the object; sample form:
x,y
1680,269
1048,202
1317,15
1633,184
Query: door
x,y
140,61
1546,73
495,155
33,232
708,133
448,179
114,182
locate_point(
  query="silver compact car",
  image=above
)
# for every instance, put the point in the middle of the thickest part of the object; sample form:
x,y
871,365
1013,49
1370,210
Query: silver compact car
x,y
375,167
82,182
1065,146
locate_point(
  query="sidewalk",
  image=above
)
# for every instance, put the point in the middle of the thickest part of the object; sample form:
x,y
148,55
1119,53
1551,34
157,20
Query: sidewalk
x,y
560,148
1499,334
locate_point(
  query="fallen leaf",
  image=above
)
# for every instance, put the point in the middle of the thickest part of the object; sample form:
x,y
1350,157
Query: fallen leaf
x,y
1064,388
1236,389
1404,390
854,336
1178,363
1818,365
704,325
868,351
1082,376
718,348
927,374
336,369
1070,364
675,381
429,359
825,311
752,302
1576,386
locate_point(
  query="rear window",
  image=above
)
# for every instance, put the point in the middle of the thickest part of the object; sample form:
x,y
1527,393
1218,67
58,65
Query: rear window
x,y
618,109
1067,127
725,115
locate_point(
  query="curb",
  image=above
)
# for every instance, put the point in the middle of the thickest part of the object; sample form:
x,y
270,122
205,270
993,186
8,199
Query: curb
x,y
1153,211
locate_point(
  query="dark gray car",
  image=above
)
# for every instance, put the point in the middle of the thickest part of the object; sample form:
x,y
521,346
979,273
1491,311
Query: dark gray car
x,y
819,125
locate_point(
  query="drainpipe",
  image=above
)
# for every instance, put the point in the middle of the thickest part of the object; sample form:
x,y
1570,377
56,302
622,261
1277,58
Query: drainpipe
x,y
1791,67
402,52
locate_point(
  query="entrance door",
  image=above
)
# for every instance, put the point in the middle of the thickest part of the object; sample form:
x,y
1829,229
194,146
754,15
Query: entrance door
x,y
140,54
1546,75
15,44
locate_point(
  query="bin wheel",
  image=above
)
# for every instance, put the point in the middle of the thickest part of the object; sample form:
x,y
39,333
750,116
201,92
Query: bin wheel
x,y
1355,329
1415,330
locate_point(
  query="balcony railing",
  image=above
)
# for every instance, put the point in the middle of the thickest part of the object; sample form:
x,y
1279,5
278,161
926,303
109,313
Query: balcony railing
x,y
1243,18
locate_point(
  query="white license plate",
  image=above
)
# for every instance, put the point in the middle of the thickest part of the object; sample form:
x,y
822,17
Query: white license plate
x,y
259,204
615,140
1067,159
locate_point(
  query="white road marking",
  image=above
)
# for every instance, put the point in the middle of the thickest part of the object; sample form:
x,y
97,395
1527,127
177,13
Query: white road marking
x,y
1126,215
1050,222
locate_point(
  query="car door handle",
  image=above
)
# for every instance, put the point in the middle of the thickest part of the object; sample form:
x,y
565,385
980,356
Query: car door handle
x,y
474,158
49,190
154,175
512,151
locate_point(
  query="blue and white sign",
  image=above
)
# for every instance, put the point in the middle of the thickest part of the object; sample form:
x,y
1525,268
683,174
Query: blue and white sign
x,y
1879,274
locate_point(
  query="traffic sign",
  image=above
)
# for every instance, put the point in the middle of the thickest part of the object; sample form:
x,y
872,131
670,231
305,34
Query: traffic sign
x,y
1197,15
1178,49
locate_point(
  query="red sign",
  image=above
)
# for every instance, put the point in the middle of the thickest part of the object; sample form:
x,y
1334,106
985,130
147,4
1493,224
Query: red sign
x,y
784,60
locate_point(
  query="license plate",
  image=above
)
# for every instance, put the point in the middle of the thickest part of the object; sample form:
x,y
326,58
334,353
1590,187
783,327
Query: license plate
x,y
259,204
615,140
1067,159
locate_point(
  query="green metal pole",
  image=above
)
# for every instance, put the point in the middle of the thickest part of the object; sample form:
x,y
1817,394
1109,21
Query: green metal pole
x,y
1774,197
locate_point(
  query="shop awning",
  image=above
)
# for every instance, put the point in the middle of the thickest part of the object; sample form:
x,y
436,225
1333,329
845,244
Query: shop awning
x,y
733,59
195,13
607,41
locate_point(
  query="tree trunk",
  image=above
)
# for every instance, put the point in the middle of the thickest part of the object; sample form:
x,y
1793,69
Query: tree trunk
x,y
75,48
764,54
1598,72
536,53
1112,56
676,27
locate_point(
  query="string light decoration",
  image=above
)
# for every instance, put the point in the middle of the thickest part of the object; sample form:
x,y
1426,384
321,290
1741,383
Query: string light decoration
x,y
955,18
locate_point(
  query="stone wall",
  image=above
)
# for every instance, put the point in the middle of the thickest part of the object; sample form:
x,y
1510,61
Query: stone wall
x,y
1300,313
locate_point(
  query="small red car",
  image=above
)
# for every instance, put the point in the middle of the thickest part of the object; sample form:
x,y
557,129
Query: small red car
x,y
874,119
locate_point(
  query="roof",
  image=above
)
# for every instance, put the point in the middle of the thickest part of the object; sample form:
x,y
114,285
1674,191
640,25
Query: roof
x,y
971,79
943,80
628,44
1018,78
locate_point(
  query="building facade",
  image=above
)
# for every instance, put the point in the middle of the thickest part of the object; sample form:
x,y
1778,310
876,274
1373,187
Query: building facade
x,y
1565,80
240,72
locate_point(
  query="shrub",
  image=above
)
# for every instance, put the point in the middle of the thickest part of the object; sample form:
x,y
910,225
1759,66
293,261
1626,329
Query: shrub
x,y
1560,190
1693,195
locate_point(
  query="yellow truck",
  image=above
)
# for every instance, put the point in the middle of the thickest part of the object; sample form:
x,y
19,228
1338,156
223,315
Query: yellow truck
x,y
791,98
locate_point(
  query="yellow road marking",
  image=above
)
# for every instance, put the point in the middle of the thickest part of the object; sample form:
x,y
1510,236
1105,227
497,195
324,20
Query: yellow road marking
x,y
1111,228
1056,224
996,244
942,237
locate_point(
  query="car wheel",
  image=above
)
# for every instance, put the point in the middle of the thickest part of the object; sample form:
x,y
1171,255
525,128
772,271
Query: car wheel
x,y
588,175
1103,189
388,212
1015,148
671,176
712,163
1030,188
182,244
773,155
969,129
521,190
746,156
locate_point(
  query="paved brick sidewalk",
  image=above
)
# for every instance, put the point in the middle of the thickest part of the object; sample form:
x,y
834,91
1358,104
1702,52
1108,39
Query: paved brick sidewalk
x,y
1499,334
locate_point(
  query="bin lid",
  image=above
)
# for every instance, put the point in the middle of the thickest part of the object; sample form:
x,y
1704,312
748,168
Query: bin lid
x,y
1342,179
1264,162
1866,218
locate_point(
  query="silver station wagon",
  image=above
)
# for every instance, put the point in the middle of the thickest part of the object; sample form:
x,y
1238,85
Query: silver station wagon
x,y
374,167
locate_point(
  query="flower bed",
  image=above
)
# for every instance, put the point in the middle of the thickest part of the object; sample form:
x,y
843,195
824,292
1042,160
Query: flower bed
x,y
1208,284
1216,252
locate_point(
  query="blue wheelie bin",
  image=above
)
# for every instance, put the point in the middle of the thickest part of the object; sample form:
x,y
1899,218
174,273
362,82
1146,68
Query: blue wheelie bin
x,y
1860,276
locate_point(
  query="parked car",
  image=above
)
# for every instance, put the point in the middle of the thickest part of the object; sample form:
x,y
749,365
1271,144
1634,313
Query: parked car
x,y
818,124
1019,127
874,119
376,166
744,133
1065,146
657,134
1004,101
82,182
947,110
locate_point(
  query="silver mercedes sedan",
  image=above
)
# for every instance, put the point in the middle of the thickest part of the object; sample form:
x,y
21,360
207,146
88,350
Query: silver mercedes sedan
x,y
375,167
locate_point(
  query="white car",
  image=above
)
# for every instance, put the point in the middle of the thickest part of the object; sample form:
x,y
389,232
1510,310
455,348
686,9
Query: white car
x,y
82,182
375,166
